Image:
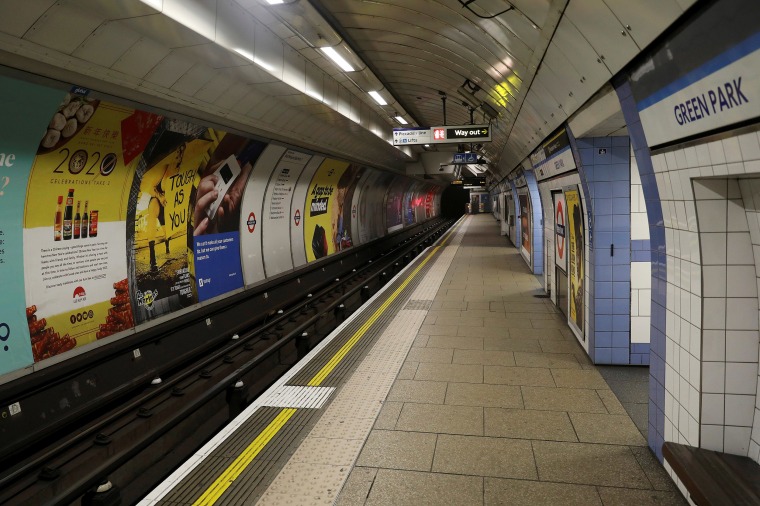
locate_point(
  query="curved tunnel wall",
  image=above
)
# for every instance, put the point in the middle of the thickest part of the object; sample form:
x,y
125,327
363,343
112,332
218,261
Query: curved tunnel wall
x,y
113,218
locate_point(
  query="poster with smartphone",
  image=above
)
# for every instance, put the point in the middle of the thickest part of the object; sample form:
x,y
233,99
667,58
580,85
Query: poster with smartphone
x,y
216,213
74,226
30,106
322,217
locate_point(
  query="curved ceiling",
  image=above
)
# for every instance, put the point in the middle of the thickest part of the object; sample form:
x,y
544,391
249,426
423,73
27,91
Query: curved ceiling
x,y
534,62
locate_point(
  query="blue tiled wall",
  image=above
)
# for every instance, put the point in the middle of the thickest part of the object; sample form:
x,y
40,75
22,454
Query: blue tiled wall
x,y
605,162
659,273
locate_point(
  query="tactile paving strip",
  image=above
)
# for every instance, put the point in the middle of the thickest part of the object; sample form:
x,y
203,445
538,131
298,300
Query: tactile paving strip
x,y
419,304
349,417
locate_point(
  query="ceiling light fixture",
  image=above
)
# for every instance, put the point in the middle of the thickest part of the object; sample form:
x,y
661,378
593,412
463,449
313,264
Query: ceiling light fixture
x,y
401,120
378,98
337,59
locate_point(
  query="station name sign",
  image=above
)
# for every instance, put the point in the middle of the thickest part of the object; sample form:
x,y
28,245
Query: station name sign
x,y
441,135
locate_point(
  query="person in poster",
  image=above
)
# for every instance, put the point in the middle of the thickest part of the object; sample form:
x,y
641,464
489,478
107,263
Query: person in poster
x,y
161,204
341,213
575,257
75,227
216,213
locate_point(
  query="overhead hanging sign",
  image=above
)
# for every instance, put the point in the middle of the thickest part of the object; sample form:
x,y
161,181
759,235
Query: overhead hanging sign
x,y
406,136
446,134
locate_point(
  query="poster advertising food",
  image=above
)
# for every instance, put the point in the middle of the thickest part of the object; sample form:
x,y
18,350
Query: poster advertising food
x,y
28,108
394,207
219,189
74,225
251,211
560,231
277,204
526,224
326,224
160,212
576,244
297,211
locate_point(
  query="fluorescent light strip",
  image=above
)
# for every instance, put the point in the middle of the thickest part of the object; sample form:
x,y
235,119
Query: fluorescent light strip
x,y
378,98
337,59
401,120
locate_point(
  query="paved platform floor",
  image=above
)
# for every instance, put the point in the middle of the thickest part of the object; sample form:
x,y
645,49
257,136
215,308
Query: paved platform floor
x,y
497,403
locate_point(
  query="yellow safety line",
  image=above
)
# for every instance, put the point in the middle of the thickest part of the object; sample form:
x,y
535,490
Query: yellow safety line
x,y
223,482
234,470
343,351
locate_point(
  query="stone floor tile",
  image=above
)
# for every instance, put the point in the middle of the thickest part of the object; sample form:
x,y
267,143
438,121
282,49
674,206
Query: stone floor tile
x,y
407,371
528,424
562,399
460,321
626,497
498,343
484,313
410,488
609,429
548,324
420,341
549,360
451,304
432,392
473,394
624,373
461,373
388,416
482,357
579,378
481,305
629,391
525,307
656,473
484,456
639,413
520,376
613,405
538,334
589,464
357,486
560,346
455,342
490,331
445,419
392,449
504,492
439,330
431,355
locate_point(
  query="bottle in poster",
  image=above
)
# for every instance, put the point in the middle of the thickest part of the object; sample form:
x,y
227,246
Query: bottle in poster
x,y
68,215
77,222
58,227
85,221
94,223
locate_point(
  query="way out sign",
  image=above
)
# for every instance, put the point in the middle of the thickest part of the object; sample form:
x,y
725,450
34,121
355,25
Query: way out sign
x,y
560,221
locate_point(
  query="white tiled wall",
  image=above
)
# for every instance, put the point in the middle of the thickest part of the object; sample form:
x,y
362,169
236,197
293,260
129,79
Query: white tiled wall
x,y
641,272
712,308
730,321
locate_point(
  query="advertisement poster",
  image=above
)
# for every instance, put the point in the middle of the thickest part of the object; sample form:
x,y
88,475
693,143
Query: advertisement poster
x,y
430,202
560,231
474,203
160,212
219,188
575,257
277,205
74,225
28,108
394,206
323,230
526,224
410,203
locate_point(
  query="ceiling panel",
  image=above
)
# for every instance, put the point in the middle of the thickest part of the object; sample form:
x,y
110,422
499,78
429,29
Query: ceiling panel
x,y
63,27
17,16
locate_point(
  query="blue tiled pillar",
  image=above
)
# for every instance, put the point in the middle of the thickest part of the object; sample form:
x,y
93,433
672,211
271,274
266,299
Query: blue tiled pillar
x,y
659,266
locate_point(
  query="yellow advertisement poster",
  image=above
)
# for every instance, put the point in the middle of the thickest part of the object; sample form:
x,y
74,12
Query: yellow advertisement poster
x,y
74,228
575,256
162,245
323,211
